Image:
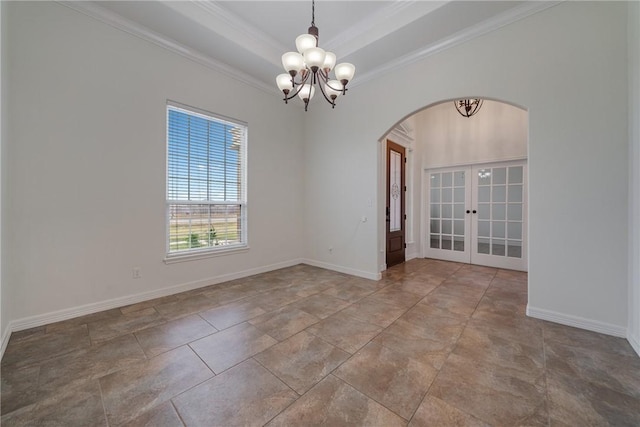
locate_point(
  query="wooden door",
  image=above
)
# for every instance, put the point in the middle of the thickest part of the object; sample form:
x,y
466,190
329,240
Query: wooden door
x,y
395,212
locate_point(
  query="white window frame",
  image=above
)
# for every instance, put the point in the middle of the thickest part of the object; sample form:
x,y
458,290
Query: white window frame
x,y
208,251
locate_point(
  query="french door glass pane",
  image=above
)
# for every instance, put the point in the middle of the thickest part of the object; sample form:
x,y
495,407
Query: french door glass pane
x,y
500,203
458,243
515,175
447,207
514,249
483,245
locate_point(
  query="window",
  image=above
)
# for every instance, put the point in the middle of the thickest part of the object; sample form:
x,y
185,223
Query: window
x,y
206,182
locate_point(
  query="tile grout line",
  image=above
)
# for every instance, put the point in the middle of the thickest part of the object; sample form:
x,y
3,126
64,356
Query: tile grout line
x,y
453,349
104,409
366,395
445,360
177,412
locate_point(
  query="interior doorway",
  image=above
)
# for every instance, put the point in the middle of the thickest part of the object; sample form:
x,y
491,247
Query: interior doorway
x,y
438,138
395,210
478,214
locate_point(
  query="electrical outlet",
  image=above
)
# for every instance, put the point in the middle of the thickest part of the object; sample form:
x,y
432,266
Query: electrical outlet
x,y
135,273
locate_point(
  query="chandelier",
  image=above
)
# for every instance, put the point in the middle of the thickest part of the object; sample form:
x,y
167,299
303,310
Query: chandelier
x,y
468,107
310,66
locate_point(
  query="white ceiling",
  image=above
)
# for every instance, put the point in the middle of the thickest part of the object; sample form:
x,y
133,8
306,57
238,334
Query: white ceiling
x,y
247,38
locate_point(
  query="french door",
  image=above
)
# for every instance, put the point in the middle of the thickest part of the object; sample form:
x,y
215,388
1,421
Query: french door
x,y
477,214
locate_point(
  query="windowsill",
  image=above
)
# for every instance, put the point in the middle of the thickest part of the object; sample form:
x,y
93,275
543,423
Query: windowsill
x,y
194,256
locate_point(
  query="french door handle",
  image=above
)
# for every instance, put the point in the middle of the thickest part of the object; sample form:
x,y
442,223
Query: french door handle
x,y
474,211
468,211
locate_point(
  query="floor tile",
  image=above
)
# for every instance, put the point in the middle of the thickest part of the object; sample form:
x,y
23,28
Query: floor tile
x,y
464,290
226,348
333,403
245,395
220,296
72,406
577,402
321,305
399,383
172,334
420,285
185,306
273,300
129,393
149,303
420,322
435,412
615,371
19,388
103,330
499,305
349,292
400,337
581,338
375,311
83,320
444,304
163,415
484,345
90,363
490,394
283,323
25,334
512,275
37,349
302,360
232,314
397,297
345,332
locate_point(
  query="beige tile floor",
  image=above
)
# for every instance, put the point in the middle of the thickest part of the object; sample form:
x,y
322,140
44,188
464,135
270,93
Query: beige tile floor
x,y
432,344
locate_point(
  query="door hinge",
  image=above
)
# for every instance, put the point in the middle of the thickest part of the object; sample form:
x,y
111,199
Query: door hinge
x,y
405,188
405,160
405,217
405,246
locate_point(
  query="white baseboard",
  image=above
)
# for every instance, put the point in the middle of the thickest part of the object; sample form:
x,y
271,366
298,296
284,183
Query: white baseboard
x,y
69,313
6,334
577,322
342,269
635,343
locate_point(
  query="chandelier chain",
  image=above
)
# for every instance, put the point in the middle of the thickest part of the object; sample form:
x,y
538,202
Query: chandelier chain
x,y
313,12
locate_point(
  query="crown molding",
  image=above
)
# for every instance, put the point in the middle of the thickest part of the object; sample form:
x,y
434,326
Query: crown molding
x,y
218,19
114,20
506,18
379,24
232,21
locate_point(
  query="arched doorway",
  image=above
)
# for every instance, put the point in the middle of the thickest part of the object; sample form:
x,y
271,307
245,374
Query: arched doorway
x,y
466,182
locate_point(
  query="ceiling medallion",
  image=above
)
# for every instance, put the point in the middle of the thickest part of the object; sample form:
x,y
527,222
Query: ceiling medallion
x,y
310,66
468,107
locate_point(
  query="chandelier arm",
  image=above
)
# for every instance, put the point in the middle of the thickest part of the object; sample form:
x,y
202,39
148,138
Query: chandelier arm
x,y
332,102
300,86
325,78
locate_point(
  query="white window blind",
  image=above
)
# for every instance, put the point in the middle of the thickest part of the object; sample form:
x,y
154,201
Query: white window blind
x,y
206,182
